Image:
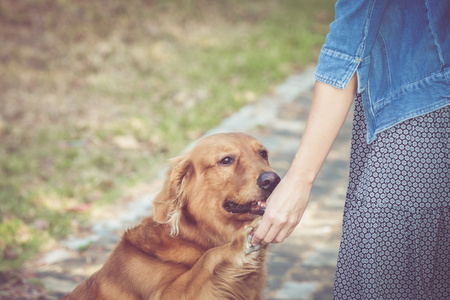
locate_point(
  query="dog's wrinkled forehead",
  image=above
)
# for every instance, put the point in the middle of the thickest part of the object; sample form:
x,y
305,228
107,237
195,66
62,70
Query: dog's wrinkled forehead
x,y
213,147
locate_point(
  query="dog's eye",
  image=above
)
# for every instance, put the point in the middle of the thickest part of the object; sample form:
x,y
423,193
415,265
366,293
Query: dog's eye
x,y
263,154
228,160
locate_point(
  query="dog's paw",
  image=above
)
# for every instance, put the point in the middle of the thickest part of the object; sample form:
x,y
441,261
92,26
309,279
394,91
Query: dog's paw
x,y
243,251
250,229
250,248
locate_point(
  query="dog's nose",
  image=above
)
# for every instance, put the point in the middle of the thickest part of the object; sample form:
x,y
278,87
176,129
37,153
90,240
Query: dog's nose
x,y
268,181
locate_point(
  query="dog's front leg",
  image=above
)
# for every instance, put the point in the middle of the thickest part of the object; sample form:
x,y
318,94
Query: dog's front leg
x,y
197,283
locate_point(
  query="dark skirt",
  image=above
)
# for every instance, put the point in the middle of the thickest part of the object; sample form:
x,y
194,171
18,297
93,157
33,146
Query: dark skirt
x,y
396,227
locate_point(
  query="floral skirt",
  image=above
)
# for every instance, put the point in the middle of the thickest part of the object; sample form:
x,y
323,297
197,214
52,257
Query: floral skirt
x,y
396,227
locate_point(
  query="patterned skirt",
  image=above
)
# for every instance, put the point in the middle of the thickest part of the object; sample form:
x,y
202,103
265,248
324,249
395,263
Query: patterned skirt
x,y
396,227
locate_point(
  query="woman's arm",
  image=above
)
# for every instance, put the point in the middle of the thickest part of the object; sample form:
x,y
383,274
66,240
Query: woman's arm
x,y
286,205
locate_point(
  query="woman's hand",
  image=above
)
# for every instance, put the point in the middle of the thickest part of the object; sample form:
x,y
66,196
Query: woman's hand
x,y
285,208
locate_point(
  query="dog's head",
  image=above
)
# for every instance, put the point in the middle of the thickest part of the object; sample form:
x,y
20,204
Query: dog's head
x,y
221,184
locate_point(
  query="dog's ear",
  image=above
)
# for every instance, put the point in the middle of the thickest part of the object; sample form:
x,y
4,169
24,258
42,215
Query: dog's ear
x,y
169,202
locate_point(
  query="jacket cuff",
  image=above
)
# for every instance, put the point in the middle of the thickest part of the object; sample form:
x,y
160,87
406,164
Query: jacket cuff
x,y
335,68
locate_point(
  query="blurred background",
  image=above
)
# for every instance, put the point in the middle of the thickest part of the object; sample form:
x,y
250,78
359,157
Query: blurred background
x,y
95,96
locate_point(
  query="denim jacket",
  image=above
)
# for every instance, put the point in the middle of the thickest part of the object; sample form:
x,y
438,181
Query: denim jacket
x,y
400,51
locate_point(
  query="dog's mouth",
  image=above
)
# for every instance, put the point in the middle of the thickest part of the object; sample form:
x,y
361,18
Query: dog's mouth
x,y
256,207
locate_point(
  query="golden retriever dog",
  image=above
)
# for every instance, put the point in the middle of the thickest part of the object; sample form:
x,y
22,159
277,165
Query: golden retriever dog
x,y
196,244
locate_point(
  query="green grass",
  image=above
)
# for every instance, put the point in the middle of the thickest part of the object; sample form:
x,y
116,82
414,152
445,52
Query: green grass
x,y
97,95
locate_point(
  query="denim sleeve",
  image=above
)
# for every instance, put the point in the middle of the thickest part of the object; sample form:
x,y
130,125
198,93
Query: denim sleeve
x,y
349,41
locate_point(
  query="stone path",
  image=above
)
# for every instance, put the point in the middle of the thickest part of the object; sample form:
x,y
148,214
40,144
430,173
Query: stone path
x,y
301,268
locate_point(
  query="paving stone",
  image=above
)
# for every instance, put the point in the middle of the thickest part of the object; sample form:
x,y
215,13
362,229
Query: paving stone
x,y
323,255
324,293
58,285
273,283
297,290
279,266
291,250
334,202
79,243
56,255
325,276
319,190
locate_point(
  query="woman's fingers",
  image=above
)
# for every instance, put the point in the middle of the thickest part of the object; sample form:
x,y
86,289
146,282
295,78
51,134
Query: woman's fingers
x,y
275,228
261,232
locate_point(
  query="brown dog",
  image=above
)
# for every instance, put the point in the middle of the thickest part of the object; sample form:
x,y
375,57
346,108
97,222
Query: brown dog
x,y
196,245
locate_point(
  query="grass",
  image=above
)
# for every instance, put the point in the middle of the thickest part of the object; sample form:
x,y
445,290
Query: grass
x,y
97,95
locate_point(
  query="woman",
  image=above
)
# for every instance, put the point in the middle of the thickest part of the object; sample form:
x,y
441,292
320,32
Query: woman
x,y
395,56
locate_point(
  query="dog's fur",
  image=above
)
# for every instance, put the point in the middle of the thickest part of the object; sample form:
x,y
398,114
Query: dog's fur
x,y
193,248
